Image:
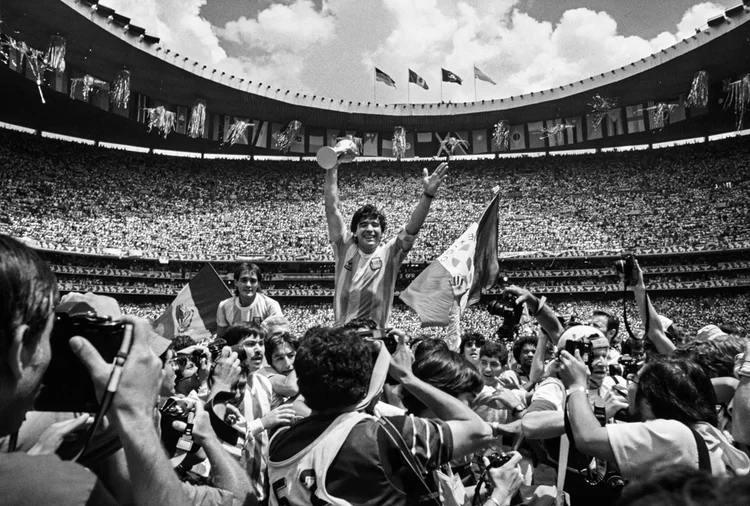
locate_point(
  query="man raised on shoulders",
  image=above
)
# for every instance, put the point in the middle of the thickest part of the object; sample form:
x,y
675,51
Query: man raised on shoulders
x,y
366,268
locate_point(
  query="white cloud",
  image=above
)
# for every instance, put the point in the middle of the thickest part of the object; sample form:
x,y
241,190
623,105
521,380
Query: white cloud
x,y
293,27
178,23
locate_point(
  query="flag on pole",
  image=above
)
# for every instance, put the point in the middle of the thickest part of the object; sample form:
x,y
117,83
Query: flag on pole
x,y
417,79
193,311
450,77
472,257
384,78
478,74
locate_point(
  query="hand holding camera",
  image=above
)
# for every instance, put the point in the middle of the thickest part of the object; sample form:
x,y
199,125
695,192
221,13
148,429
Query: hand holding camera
x,y
573,371
226,370
502,476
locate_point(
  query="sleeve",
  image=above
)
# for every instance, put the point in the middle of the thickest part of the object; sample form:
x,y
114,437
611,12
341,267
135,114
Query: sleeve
x,y
221,318
404,241
641,447
199,495
274,308
430,440
548,396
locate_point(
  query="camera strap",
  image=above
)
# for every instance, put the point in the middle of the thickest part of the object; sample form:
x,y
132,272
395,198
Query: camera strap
x,y
704,460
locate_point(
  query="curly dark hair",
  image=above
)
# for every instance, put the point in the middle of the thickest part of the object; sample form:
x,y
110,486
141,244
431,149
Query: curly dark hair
x,y
679,389
471,338
492,349
519,343
333,368
368,211
715,356
446,370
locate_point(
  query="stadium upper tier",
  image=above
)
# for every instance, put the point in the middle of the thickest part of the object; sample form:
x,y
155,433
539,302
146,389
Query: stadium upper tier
x,y
101,42
70,196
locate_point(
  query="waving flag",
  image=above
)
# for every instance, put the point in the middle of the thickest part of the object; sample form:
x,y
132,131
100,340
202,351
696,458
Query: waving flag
x,y
472,257
193,311
450,77
478,74
384,78
417,79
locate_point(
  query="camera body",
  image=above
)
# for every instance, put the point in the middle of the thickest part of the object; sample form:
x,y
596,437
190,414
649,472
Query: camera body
x,y
498,459
583,347
390,342
629,366
67,385
626,267
509,311
240,351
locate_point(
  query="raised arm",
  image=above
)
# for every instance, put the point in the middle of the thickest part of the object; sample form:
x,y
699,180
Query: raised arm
x,y
656,332
469,431
430,186
334,218
741,409
540,310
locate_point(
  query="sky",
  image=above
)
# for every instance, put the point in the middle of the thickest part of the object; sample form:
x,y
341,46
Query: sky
x,y
330,48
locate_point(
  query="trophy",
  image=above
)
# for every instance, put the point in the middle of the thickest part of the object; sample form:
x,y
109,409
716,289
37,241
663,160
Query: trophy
x,y
346,150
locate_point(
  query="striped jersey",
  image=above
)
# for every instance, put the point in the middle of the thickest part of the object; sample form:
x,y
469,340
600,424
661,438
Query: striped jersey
x,y
230,311
365,282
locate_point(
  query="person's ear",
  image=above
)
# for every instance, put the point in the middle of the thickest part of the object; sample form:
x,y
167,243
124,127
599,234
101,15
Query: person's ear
x,y
18,356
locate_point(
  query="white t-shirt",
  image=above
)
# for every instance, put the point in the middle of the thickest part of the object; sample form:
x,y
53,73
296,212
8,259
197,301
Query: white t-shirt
x,y
642,447
230,311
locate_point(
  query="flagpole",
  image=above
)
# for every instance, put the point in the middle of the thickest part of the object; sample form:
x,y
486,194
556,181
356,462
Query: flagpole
x,y
375,90
408,90
475,85
441,90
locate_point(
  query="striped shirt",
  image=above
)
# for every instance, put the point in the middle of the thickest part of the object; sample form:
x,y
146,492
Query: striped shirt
x,y
365,283
230,312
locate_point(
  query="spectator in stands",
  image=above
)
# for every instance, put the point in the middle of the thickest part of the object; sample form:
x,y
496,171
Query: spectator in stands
x,y
365,276
334,371
248,304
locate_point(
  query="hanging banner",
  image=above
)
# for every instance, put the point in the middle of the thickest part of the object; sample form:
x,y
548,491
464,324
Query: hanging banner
x,y
634,114
479,141
517,137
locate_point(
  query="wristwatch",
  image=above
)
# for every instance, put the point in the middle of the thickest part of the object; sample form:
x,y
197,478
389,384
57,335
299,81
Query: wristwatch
x,y
518,409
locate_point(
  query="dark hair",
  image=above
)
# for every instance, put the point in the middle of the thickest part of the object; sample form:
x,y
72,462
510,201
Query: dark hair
x,y
182,342
677,389
519,343
613,322
491,349
247,267
333,368
239,331
368,211
715,356
428,345
182,362
361,323
472,338
28,292
673,486
446,370
273,343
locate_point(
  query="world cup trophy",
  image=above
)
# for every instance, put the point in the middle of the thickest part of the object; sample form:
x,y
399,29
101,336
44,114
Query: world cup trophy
x,y
346,150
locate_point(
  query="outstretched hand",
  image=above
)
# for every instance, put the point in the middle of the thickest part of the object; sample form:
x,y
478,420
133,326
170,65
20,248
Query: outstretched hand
x,y
431,182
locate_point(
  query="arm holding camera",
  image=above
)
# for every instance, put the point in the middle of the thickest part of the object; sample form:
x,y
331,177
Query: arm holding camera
x,y
590,437
656,332
226,472
153,480
540,310
506,480
469,431
225,372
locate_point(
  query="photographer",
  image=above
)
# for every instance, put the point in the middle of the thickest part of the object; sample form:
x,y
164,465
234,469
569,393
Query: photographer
x,y
587,480
27,297
673,402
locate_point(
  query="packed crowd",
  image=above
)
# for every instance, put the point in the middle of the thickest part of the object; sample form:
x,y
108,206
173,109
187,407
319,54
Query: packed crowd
x,y
292,411
689,313
71,195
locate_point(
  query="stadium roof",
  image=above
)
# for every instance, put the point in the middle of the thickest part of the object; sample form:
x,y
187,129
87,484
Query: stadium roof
x,y
101,41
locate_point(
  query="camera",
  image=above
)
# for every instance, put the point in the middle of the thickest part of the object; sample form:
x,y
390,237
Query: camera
x,y
241,353
629,366
509,311
583,347
67,385
390,342
498,459
626,267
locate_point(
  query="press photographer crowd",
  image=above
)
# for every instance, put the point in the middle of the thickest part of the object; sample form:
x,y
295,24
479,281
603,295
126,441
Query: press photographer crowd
x,y
238,404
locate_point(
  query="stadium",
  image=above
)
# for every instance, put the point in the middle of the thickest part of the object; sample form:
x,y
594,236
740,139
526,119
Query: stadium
x,y
132,197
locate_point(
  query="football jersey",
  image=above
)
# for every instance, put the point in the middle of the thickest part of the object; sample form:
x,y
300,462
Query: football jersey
x,y
230,311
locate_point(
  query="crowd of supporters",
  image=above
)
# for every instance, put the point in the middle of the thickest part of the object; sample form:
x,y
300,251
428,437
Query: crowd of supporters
x,y
69,195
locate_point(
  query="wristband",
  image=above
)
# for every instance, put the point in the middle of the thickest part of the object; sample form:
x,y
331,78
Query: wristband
x,y
542,301
575,389
518,409
428,195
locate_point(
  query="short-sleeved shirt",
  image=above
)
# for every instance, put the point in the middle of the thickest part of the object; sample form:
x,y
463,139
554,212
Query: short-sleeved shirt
x,y
45,479
365,283
369,468
640,448
230,311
